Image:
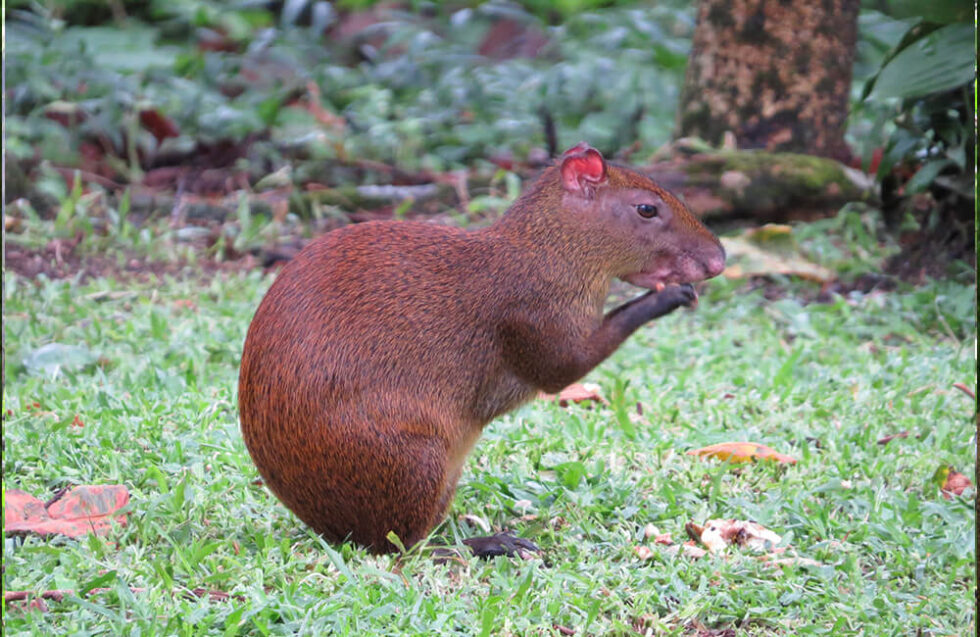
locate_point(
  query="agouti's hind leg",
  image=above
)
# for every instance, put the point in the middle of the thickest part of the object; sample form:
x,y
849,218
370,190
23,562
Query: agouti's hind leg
x,y
415,492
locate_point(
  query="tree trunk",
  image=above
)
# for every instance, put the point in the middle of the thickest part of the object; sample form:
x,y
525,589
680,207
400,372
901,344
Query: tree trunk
x,y
775,73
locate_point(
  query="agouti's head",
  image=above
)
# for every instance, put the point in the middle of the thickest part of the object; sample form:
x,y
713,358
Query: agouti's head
x,y
648,236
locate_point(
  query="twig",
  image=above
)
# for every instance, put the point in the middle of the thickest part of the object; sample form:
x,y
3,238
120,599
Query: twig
x,y
69,175
966,390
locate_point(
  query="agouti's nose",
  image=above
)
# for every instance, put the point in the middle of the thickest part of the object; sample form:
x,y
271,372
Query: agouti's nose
x,y
715,262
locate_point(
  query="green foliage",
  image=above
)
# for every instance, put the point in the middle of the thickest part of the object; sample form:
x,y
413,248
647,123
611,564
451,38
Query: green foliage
x,y
927,63
424,99
930,69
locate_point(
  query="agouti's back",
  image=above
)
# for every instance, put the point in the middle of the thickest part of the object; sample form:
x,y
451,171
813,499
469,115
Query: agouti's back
x,y
382,349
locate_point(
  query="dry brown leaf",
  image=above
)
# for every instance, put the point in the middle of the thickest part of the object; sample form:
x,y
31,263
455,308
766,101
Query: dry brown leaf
x,y
774,253
956,483
84,509
741,452
716,535
688,549
576,393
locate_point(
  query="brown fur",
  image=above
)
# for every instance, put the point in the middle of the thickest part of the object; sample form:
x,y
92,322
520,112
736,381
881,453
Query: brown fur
x,y
383,349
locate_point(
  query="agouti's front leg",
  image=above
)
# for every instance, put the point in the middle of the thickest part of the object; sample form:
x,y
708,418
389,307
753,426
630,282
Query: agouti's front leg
x,y
552,364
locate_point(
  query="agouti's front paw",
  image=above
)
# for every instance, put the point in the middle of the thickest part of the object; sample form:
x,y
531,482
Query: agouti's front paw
x,y
687,294
667,299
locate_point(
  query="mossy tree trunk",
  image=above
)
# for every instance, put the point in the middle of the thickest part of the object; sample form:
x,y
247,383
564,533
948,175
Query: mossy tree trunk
x,y
776,73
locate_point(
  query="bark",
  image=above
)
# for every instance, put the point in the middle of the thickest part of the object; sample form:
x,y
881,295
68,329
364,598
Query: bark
x,y
776,73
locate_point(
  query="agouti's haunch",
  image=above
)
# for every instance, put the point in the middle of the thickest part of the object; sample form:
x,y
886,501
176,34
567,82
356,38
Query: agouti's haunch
x,y
383,349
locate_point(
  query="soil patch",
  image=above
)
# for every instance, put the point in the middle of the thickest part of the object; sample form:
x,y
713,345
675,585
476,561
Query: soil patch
x,y
60,259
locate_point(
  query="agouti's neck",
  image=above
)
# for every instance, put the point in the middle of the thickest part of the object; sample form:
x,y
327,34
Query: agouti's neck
x,y
539,229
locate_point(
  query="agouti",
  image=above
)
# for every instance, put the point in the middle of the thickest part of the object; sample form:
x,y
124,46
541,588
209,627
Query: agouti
x,y
383,349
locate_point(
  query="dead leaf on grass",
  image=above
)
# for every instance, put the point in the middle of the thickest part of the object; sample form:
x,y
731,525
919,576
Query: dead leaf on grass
x,y
770,249
643,552
741,452
84,509
955,484
716,535
576,393
688,549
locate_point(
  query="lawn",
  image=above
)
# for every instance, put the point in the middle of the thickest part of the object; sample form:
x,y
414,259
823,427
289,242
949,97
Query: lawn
x,y
129,286
149,373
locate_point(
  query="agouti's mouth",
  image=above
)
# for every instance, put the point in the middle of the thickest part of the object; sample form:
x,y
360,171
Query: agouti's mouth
x,y
649,280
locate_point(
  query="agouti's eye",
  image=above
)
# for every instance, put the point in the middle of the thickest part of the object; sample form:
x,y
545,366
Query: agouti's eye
x,y
646,210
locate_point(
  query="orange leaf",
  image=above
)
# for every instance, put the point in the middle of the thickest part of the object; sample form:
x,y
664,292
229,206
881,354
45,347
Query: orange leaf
x,y
576,393
22,507
956,483
741,452
84,509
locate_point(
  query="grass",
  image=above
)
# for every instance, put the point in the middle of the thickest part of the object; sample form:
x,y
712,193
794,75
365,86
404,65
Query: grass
x,y
822,382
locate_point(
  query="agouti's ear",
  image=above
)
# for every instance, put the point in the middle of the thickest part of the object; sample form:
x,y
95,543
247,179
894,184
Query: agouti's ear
x,y
582,169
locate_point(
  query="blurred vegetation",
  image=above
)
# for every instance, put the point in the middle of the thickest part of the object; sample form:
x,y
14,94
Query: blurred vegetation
x,y
411,89
241,93
921,100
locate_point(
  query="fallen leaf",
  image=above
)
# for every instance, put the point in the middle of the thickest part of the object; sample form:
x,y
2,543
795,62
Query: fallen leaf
x,y
21,506
716,535
741,452
576,393
84,509
688,549
663,538
643,552
769,250
956,483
